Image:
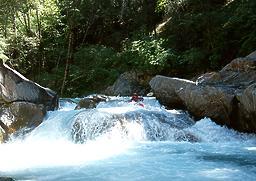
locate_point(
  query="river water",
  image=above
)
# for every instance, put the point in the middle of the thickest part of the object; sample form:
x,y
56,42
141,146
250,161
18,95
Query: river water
x,y
119,140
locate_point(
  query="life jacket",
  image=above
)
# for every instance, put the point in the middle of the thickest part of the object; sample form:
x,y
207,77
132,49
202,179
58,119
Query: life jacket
x,y
136,98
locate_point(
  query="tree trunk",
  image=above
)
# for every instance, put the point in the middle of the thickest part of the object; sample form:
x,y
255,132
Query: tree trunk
x,y
14,26
5,26
69,56
38,24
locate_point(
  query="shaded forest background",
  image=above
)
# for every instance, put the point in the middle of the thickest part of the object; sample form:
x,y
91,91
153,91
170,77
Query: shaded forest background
x,y
78,47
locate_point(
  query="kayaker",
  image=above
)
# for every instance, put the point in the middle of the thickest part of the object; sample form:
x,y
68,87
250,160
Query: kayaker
x,y
136,98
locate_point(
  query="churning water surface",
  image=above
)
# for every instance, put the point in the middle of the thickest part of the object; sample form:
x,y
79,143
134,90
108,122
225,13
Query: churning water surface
x,y
120,140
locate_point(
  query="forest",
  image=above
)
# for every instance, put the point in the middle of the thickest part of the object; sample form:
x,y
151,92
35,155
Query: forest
x,y
77,47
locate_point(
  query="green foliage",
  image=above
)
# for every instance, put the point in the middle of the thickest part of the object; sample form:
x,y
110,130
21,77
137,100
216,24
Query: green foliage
x,y
192,60
241,26
92,41
24,54
147,54
3,46
211,31
93,69
161,5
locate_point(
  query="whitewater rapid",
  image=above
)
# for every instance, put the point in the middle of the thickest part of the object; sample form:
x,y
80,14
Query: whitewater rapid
x,y
119,140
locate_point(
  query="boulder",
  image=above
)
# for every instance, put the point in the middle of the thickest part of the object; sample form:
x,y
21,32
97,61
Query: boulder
x,y
247,109
2,137
88,125
20,115
207,101
15,87
90,102
166,90
128,83
200,100
6,179
228,96
23,103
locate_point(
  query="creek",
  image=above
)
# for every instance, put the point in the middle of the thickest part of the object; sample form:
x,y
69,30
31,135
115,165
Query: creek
x,y
119,140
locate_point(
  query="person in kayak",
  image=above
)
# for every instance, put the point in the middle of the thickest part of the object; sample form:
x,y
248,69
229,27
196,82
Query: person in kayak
x,y
136,98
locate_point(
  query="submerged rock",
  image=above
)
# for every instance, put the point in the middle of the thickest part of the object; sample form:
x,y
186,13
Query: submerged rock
x,y
90,102
23,103
186,136
6,179
228,96
149,125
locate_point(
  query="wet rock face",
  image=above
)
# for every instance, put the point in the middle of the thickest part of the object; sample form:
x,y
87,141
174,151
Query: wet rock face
x,y
154,126
228,96
19,115
23,103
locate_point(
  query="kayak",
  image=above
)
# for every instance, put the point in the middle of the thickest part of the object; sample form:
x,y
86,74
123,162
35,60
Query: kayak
x,y
137,103
140,104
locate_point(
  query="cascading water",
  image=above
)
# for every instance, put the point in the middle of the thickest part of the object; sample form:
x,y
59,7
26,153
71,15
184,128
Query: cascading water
x,y
120,140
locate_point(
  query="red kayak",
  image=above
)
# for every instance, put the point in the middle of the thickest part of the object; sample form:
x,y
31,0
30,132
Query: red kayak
x,y
137,103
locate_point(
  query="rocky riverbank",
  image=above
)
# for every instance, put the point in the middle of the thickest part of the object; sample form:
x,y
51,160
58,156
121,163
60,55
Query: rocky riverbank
x,y
228,97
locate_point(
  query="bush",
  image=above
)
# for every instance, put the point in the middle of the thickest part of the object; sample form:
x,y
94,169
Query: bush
x,y
147,54
193,58
93,69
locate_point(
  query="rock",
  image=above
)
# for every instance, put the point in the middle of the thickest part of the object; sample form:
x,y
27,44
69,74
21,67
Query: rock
x,y
90,124
228,96
15,87
6,179
207,101
128,83
90,102
252,56
185,136
209,78
200,100
22,114
2,137
23,103
247,109
166,90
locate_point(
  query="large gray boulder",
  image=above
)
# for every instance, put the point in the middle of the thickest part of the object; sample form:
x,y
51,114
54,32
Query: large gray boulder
x,y
167,89
15,87
128,83
199,100
23,103
228,96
